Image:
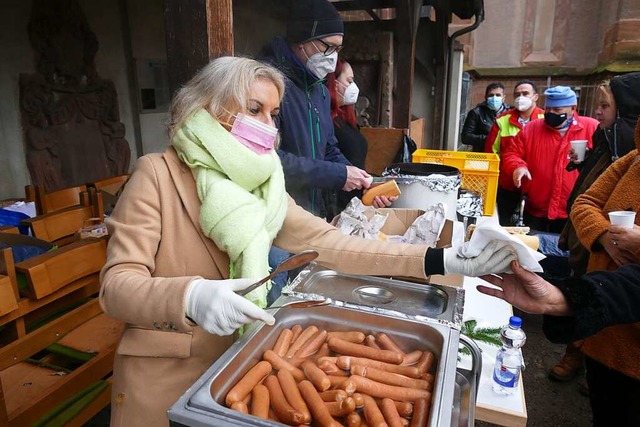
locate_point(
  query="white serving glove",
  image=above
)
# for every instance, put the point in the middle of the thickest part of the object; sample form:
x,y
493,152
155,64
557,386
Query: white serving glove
x,y
493,259
214,305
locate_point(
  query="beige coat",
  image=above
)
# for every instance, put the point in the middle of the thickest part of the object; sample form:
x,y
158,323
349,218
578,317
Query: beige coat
x,y
156,249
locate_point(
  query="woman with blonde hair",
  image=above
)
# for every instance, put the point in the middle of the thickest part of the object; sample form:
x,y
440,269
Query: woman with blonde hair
x,y
617,110
195,224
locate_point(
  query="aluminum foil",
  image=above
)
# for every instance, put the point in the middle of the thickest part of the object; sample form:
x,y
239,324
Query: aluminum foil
x,y
425,230
352,220
435,182
469,204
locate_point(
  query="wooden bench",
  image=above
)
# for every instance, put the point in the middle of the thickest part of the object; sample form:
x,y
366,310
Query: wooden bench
x,y
61,227
57,346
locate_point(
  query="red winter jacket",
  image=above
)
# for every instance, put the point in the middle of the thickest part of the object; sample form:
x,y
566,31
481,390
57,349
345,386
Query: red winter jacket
x,y
544,152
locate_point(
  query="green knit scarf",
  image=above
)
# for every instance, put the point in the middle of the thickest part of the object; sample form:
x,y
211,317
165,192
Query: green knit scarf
x,y
242,193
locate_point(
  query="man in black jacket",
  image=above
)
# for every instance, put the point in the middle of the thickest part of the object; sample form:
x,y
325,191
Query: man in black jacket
x,y
481,118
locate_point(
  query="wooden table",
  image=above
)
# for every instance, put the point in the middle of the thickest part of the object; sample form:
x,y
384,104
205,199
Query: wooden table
x,y
492,312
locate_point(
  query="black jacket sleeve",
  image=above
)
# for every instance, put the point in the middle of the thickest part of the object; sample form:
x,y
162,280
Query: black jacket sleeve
x,y
599,299
473,132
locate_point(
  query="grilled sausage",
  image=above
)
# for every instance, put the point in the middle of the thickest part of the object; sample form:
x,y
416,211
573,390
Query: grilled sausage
x,y
312,345
321,415
240,406
351,336
333,395
351,349
248,382
341,409
309,332
260,402
285,412
389,377
284,341
292,394
420,413
345,362
390,413
376,389
372,413
411,358
279,363
386,343
426,362
317,377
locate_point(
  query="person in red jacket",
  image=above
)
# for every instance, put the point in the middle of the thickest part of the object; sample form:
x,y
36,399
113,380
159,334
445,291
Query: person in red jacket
x,y
506,127
539,154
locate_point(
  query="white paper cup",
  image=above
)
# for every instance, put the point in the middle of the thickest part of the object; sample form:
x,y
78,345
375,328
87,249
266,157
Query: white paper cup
x,y
624,219
580,148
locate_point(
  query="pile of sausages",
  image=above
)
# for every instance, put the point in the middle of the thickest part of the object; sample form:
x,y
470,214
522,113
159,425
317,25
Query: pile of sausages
x,y
329,379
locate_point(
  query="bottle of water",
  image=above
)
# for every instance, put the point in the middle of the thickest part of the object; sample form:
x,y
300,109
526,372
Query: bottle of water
x,y
509,361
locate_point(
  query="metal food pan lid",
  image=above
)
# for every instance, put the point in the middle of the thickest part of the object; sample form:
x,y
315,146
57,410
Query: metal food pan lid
x,y
418,301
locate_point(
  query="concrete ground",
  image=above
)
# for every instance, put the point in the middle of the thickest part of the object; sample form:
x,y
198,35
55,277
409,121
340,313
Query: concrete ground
x,y
549,403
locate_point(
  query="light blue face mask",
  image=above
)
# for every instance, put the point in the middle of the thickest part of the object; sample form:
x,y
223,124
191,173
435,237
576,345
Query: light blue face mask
x,y
494,102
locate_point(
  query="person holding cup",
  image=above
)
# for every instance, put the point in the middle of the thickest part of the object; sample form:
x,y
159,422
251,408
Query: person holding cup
x,y
613,351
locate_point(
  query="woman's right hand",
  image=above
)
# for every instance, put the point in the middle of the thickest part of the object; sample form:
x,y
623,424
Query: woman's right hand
x,y
357,179
214,305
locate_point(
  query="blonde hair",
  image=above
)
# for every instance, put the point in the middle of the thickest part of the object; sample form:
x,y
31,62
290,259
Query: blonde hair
x,y
604,92
222,87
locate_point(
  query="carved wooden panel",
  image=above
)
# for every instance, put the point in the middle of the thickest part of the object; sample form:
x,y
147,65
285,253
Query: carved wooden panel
x,y
70,116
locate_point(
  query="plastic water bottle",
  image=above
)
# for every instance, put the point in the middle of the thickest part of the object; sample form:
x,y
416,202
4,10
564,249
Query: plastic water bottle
x,y
509,361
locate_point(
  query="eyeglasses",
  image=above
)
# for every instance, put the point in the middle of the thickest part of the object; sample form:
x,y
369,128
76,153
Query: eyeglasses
x,y
329,48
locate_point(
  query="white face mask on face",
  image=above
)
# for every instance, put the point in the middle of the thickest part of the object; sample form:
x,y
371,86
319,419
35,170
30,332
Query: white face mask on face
x,y
350,95
320,64
523,103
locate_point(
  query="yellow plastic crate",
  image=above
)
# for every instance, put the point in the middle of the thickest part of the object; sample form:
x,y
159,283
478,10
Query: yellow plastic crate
x,y
479,171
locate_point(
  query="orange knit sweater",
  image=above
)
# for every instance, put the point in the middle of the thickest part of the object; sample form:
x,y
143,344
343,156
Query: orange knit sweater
x,y
617,347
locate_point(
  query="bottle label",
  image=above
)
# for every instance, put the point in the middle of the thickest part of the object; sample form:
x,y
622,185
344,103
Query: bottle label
x,y
505,377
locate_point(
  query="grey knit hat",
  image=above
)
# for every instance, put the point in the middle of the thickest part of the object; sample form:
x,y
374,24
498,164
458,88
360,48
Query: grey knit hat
x,y
313,19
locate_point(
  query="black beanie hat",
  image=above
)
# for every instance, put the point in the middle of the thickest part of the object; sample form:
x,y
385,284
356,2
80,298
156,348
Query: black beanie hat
x,y
313,19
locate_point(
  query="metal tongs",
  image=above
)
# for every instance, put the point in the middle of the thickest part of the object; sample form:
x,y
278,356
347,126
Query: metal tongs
x,y
294,261
303,304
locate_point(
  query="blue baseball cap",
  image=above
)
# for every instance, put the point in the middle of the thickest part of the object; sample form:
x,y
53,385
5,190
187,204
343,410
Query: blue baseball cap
x,y
560,96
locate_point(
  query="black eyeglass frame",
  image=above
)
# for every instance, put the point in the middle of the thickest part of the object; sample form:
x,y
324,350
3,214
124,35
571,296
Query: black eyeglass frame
x,y
328,48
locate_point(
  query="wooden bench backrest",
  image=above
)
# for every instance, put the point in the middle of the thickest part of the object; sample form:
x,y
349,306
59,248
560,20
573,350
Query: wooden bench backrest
x,y
51,271
59,224
115,182
56,200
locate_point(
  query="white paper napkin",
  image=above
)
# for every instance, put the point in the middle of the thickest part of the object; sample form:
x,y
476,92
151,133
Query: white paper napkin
x,y
488,229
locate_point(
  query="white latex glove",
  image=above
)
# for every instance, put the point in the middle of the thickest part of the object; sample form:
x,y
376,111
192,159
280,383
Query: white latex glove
x,y
214,305
490,261
357,179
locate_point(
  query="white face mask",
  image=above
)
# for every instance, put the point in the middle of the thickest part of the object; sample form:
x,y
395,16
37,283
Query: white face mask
x,y
350,95
321,65
523,103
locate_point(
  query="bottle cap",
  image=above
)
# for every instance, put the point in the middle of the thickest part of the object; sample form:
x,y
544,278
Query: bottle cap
x,y
515,321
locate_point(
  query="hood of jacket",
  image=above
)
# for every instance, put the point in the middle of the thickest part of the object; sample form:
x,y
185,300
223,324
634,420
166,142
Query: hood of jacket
x,y
626,91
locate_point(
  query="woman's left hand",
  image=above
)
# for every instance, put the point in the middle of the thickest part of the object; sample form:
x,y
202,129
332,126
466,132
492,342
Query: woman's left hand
x,y
627,240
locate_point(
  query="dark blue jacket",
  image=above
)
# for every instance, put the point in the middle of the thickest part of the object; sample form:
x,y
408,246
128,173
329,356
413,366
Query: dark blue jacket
x,y
310,156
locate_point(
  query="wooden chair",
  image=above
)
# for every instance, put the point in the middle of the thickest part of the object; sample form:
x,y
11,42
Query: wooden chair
x,y
109,189
60,227
58,345
383,147
57,200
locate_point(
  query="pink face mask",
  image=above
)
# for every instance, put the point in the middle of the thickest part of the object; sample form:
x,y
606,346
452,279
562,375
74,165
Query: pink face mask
x,y
254,134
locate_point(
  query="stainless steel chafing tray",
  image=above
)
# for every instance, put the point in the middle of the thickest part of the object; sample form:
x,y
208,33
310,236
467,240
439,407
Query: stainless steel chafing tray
x,y
417,316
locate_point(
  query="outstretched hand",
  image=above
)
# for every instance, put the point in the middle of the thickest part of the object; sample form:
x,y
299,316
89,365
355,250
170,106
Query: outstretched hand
x,y
527,291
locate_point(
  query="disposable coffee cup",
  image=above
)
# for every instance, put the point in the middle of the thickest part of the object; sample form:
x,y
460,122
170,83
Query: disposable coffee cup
x,y
624,219
580,148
